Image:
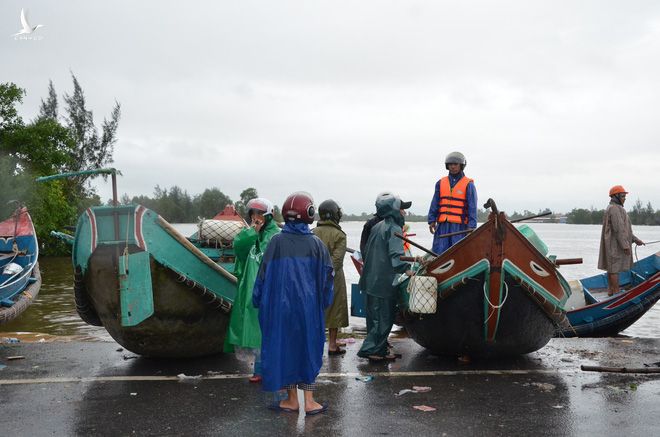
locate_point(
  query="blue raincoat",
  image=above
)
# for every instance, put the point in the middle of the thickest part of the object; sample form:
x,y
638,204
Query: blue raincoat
x,y
293,287
442,244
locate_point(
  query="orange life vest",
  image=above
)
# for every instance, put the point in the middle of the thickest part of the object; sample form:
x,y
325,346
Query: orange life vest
x,y
453,202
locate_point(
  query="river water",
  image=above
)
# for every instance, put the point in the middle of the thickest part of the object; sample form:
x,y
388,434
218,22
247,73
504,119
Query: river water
x,y
54,311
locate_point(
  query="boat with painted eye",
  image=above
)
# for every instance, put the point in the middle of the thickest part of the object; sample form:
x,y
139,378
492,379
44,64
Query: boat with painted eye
x,y
154,290
20,278
592,313
497,295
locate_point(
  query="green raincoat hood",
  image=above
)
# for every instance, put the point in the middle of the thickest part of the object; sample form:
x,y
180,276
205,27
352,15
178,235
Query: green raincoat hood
x,y
390,206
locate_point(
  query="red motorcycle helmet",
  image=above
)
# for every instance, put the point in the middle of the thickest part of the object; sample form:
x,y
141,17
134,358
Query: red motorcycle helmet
x,y
299,206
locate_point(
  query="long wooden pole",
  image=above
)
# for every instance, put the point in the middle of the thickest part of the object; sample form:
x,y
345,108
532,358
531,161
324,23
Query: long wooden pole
x,y
451,234
605,369
198,253
531,217
115,202
565,261
419,246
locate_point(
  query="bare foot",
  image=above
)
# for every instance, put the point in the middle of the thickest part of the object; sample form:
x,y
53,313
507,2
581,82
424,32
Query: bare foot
x,y
309,406
288,403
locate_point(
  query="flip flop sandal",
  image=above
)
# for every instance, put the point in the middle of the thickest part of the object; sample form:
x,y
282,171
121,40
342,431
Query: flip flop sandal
x,y
323,409
339,351
255,379
380,359
276,407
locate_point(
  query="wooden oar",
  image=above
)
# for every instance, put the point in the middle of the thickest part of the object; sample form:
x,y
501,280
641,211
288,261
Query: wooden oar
x,y
430,252
451,234
566,261
531,217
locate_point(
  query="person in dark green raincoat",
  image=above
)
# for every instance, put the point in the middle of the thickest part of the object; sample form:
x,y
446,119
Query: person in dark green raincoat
x,y
244,333
382,265
330,232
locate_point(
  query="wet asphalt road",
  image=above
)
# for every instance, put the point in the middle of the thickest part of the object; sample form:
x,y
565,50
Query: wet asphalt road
x,y
91,388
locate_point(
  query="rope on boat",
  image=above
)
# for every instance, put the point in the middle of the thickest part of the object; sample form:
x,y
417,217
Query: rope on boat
x,y
216,301
495,307
506,294
557,315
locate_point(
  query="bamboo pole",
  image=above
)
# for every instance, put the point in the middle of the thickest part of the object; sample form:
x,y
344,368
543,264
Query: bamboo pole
x,y
606,369
565,261
530,217
451,234
191,247
419,246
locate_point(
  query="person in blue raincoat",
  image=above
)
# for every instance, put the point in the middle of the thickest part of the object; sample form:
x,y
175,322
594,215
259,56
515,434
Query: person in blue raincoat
x,y
293,288
382,266
454,204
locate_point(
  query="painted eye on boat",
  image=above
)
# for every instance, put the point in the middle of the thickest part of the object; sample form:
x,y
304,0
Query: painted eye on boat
x,y
444,267
538,269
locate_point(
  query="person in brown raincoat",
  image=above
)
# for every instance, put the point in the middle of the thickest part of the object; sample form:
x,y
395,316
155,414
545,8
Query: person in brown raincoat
x,y
329,231
616,240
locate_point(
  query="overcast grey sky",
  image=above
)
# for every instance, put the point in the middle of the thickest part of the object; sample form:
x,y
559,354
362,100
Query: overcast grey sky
x,y
552,102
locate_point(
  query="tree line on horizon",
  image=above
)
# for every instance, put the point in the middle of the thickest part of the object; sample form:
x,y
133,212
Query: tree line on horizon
x,y
639,215
177,206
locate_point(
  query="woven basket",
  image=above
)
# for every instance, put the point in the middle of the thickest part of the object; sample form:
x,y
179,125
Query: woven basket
x,y
423,294
224,230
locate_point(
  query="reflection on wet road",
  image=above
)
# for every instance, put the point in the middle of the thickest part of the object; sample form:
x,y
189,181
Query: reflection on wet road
x,y
100,390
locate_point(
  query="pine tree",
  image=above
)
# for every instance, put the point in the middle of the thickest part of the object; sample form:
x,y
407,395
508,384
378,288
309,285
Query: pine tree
x,y
48,109
92,151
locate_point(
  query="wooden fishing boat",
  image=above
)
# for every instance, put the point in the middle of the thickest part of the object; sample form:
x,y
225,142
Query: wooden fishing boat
x,y
20,279
592,313
151,288
497,295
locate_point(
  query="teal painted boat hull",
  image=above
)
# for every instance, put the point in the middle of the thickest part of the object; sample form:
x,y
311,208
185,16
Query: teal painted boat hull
x,y
154,292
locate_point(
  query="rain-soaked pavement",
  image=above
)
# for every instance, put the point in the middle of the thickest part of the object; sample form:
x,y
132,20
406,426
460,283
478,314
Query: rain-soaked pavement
x,y
92,388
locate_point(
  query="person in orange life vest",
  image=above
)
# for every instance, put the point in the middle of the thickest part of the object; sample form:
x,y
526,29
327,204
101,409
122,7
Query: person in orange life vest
x,y
406,245
454,204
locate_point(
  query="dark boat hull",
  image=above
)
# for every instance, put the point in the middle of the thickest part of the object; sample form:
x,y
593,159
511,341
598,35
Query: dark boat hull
x,y
497,296
457,328
183,323
153,291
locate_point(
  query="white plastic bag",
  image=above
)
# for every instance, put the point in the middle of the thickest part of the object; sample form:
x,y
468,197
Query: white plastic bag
x,y
12,269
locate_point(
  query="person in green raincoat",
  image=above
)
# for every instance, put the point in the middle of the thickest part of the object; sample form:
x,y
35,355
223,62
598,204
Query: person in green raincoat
x,y
329,231
382,265
244,333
